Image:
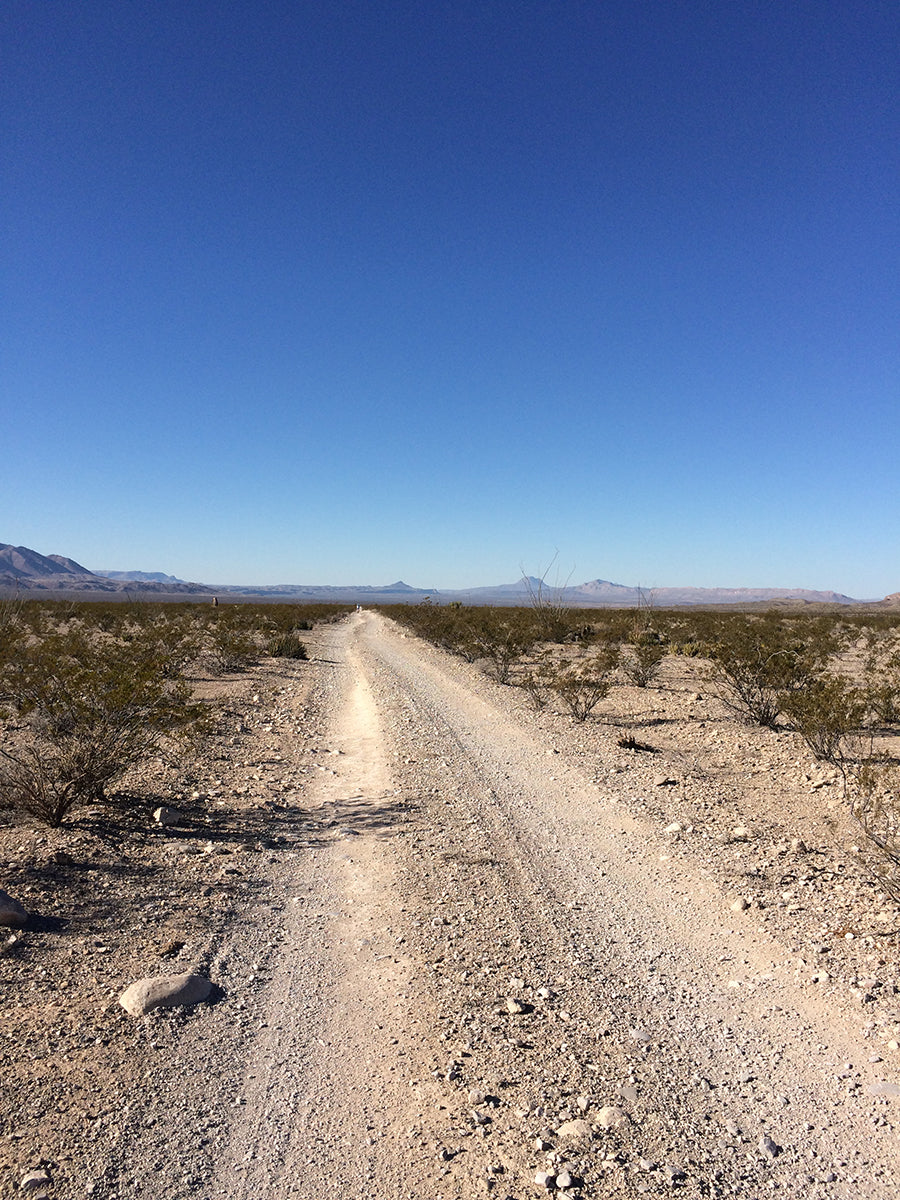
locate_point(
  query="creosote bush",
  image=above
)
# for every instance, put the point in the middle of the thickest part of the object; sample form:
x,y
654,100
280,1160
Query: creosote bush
x,y
640,661
287,645
874,789
89,708
582,685
827,713
760,661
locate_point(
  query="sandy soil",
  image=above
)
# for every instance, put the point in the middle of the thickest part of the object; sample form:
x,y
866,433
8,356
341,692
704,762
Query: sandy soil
x,y
458,946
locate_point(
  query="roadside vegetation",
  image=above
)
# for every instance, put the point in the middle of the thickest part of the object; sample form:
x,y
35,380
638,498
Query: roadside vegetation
x,y
831,679
89,691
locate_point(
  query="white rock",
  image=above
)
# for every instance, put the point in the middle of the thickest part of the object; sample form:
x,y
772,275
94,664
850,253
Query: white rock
x,y
611,1117
167,818
740,905
675,827
574,1130
740,833
884,1089
563,1179
544,1179
12,914
164,991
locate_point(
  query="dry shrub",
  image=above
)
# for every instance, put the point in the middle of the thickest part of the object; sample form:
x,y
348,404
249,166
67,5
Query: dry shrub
x,y
89,707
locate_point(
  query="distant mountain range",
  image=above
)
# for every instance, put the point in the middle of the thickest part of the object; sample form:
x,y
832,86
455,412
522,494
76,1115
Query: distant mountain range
x,y
24,570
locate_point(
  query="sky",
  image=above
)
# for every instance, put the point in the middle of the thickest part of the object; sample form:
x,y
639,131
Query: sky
x,y
354,291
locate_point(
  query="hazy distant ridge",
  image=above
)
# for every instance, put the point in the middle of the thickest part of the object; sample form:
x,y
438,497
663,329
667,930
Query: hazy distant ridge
x,y
602,591
25,569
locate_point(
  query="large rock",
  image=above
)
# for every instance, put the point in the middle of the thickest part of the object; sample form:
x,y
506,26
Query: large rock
x,y
164,991
12,914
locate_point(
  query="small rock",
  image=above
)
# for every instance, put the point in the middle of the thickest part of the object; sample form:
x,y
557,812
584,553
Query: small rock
x,y
34,1181
515,1006
740,905
584,1104
544,1179
766,1146
675,827
167,818
664,781
740,833
574,1130
883,1089
12,914
164,991
476,1096
563,1179
611,1117
639,1035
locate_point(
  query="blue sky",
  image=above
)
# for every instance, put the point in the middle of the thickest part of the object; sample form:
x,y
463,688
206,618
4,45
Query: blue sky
x,y
350,291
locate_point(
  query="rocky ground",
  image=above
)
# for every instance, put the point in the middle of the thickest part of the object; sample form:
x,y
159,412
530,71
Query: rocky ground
x,y
459,948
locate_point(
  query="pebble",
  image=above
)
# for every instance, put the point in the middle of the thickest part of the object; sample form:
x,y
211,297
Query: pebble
x,y
544,1179
740,833
768,1147
740,905
563,1179
514,1006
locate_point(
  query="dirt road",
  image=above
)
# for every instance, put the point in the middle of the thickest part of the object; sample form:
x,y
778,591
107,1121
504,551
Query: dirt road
x,y
471,874
475,966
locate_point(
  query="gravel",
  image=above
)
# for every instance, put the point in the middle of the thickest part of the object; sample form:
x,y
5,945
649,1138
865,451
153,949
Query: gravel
x,y
457,949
